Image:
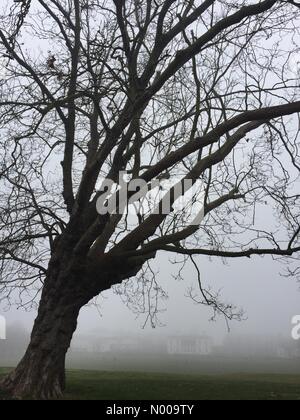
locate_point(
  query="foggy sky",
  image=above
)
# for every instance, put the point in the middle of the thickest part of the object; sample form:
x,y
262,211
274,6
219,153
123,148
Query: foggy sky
x,y
268,299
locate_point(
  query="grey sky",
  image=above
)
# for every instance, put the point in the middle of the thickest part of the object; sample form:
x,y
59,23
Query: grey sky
x,y
269,300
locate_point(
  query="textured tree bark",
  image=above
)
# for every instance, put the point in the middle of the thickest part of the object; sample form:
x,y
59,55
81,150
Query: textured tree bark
x,y
71,283
41,373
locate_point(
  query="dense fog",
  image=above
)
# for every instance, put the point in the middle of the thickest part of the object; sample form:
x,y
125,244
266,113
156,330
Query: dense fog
x,y
110,336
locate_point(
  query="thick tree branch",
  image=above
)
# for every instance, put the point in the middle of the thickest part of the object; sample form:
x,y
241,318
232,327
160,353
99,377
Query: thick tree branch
x,y
186,55
214,136
234,254
70,124
145,230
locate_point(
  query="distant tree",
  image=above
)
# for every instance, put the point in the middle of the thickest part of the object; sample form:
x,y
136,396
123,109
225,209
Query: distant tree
x,y
200,90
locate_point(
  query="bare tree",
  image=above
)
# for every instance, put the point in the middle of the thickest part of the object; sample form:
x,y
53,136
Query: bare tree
x,y
200,90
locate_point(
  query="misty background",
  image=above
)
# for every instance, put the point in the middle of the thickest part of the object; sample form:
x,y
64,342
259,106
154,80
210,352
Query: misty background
x,y
269,301
259,343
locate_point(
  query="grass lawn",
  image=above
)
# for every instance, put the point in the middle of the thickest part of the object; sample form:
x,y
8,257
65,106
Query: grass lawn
x,y
90,385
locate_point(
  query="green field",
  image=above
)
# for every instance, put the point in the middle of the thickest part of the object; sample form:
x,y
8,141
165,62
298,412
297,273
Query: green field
x,y
85,385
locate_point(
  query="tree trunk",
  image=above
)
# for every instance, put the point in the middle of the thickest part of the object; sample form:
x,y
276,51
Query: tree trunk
x,y
41,373
70,284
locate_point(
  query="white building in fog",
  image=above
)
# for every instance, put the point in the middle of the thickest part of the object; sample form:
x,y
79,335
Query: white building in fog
x,y
187,345
176,345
